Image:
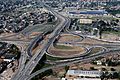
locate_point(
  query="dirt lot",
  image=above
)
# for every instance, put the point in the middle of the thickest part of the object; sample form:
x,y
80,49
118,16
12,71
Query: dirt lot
x,y
111,36
92,41
67,51
68,38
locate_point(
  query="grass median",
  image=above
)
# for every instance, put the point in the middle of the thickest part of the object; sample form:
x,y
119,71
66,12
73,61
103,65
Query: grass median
x,y
62,47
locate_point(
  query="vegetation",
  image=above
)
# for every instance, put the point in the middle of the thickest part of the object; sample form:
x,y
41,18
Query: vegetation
x,y
41,64
66,69
113,32
109,75
92,68
103,17
63,47
40,76
95,50
119,75
53,58
103,26
114,11
14,50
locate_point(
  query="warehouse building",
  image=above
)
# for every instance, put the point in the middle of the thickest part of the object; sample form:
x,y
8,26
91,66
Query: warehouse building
x,y
83,75
89,12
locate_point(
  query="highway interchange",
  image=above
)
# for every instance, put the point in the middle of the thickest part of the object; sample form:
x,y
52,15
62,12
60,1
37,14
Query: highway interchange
x,y
25,70
35,59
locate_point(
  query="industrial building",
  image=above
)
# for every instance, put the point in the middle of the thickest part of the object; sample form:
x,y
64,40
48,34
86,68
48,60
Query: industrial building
x,y
83,75
90,12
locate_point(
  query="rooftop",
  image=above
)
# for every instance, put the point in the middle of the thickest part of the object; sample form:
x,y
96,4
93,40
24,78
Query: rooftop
x,y
87,79
89,12
84,73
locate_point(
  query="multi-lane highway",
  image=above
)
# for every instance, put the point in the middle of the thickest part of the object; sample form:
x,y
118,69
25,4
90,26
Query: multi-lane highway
x,y
36,58
16,42
26,70
33,43
76,60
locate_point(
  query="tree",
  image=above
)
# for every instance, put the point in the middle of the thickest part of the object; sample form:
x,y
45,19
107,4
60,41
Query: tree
x,y
117,20
66,68
115,75
101,26
112,69
92,68
114,23
102,76
119,75
103,69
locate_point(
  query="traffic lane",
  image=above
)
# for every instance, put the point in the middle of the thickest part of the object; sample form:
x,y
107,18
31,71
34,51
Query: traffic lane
x,y
69,63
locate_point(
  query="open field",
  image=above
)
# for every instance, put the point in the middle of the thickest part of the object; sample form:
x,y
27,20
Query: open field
x,y
66,51
89,41
63,47
68,38
86,66
37,49
110,17
31,31
96,50
111,35
39,28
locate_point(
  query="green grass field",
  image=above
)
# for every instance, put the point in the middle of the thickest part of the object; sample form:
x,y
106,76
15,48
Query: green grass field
x,y
103,17
53,58
113,32
63,47
95,50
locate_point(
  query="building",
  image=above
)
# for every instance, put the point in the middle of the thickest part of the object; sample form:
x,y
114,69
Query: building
x,y
99,62
82,79
83,75
90,12
86,21
87,13
98,0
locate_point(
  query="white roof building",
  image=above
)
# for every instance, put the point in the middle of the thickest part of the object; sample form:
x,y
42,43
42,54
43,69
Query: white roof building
x,y
87,79
84,73
86,21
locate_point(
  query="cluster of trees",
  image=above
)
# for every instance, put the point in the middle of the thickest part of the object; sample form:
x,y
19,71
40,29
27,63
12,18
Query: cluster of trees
x,y
106,26
113,74
113,12
39,66
51,17
108,62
